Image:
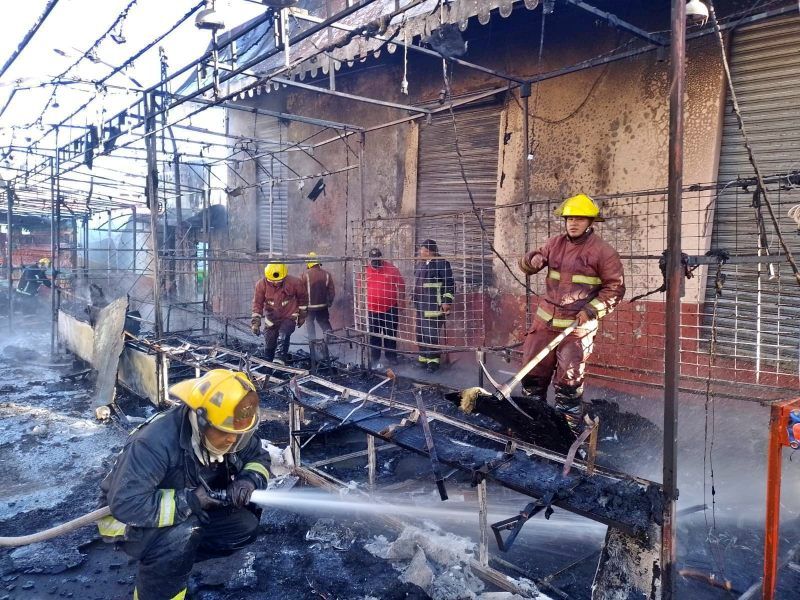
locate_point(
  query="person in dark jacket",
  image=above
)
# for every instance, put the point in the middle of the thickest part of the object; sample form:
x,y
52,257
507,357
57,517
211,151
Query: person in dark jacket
x,y
321,293
33,277
385,291
585,282
159,489
434,291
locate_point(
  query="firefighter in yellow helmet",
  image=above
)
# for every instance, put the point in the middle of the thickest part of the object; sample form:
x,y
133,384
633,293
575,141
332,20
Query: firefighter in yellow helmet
x,y
282,302
321,293
33,277
179,491
584,283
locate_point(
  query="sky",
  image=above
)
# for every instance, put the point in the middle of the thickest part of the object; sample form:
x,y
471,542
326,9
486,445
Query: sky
x,y
70,29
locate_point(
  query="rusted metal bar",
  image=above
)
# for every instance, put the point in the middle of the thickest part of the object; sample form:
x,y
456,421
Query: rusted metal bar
x,y
615,21
371,462
483,520
529,449
674,279
10,253
778,438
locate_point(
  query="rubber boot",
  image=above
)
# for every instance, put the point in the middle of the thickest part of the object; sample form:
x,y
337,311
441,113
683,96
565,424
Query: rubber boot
x,y
568,402
534,394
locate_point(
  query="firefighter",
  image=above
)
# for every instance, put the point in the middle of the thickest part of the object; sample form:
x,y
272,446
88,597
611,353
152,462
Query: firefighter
x,y
33,277
385,291
163,511
584,283
434,291
321,292
282,301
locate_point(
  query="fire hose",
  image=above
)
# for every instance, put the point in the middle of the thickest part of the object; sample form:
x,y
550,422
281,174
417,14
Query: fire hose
x,y
47,534
87,519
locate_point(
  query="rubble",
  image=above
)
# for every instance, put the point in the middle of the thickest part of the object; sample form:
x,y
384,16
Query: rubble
x,y
418,572
327,533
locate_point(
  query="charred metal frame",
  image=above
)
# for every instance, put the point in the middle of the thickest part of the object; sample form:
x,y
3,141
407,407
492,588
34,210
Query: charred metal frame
x,y
147,109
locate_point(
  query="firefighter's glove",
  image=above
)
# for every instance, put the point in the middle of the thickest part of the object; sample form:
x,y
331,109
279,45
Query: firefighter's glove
x,y
531,264
255,324
240,490
584,317
199,501
446,308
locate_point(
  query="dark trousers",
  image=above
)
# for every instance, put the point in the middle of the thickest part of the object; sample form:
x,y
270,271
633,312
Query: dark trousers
x,y
166,554
318,316
278,337
429,332
383,324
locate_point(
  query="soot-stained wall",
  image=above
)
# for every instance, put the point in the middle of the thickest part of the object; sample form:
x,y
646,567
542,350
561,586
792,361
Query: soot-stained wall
x,y
599,131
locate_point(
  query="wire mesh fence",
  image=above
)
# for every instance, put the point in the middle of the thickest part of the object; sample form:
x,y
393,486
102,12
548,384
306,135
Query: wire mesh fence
x,y
738,289
393,309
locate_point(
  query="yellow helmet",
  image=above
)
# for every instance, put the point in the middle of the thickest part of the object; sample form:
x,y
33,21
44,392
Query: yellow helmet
x,y
579,206
44,262
312,263
276,271
224,399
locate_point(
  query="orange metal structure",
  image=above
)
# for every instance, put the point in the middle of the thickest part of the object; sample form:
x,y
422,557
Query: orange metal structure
x,y
778,439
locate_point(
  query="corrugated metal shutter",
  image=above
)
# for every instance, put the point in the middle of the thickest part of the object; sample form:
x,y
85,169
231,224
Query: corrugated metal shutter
x,y
756,316
272,217
441,189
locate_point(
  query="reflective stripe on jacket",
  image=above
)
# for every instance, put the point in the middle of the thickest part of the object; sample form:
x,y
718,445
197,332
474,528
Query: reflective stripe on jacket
x,y
585,273
319,287
433,286
279,302
152,477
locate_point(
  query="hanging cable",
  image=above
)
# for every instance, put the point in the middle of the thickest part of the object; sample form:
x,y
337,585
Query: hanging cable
x,y
28,36
750,155
709,430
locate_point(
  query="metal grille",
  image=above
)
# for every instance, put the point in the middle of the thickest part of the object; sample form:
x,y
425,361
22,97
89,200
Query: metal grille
x,y
440,184
765,67
272,191
464,327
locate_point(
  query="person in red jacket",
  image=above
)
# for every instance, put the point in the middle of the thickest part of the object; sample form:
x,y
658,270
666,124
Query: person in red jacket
x,y
585,281
283,302
385,290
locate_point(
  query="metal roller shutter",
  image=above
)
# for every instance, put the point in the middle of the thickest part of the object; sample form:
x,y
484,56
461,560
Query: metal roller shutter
x,y
441,189
759,317
272,217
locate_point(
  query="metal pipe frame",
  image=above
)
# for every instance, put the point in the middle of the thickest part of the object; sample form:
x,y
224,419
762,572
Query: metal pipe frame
x,y
618,23
674,280
10,253
346,96
556,73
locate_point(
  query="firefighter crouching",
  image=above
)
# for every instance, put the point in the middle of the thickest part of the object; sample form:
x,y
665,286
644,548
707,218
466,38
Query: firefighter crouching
x,y
434,289
158,490
584,283
282,301
321,293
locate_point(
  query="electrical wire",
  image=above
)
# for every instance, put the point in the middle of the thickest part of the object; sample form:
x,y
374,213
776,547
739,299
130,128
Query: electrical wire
x,y
748,147
120,18
28,37
129,61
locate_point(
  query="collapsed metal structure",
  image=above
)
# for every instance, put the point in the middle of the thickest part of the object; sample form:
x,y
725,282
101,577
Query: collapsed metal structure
x,y
170,262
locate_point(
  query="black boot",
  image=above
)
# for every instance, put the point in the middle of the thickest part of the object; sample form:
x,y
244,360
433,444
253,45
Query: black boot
x,y
569,403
